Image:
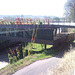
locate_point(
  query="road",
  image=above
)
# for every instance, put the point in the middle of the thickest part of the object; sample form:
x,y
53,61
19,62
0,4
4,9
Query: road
x,y
40,66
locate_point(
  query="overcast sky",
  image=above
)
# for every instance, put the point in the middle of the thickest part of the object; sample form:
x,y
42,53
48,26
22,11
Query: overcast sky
x,y
32,7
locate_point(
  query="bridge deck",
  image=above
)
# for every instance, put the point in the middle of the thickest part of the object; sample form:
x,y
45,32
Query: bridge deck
x,y
40,26
25,27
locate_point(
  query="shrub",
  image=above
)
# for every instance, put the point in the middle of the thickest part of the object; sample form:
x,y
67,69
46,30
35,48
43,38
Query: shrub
x,y
9,55
10,58
17,51
20,52
14,59
24,52
42,45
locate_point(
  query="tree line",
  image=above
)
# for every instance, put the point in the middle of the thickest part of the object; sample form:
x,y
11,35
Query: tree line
x,y
70,10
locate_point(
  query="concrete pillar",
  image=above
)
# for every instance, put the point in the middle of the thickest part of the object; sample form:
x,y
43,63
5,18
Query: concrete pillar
x,y
7,33
45,46
23,33
55,31
24,44
59,30
44,21
14,32
48,21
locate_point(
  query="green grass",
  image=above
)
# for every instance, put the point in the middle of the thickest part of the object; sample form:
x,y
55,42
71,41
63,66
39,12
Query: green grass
x,y
38,52
74,41
38,47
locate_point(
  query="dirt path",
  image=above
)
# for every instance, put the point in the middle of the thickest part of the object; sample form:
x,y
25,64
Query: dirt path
x,y
40,66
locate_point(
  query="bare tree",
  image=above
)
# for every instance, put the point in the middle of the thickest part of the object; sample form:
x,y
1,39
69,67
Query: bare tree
x,y
70,9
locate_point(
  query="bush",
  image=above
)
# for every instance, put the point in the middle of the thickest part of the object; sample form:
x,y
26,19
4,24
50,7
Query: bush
x,y
14,59
20,52
10,58
24,53
9,55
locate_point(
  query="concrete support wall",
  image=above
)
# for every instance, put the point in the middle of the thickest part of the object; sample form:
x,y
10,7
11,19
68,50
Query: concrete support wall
x,y
57,31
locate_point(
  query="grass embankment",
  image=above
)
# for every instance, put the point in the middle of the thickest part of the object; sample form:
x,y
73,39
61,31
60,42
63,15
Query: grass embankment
x,y
38,52
67,65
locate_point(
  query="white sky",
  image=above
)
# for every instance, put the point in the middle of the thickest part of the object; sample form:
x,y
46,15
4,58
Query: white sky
x,y
32,7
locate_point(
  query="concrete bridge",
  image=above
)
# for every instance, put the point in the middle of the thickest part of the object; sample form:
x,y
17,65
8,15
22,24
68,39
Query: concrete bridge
x,y
23,33
53,25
